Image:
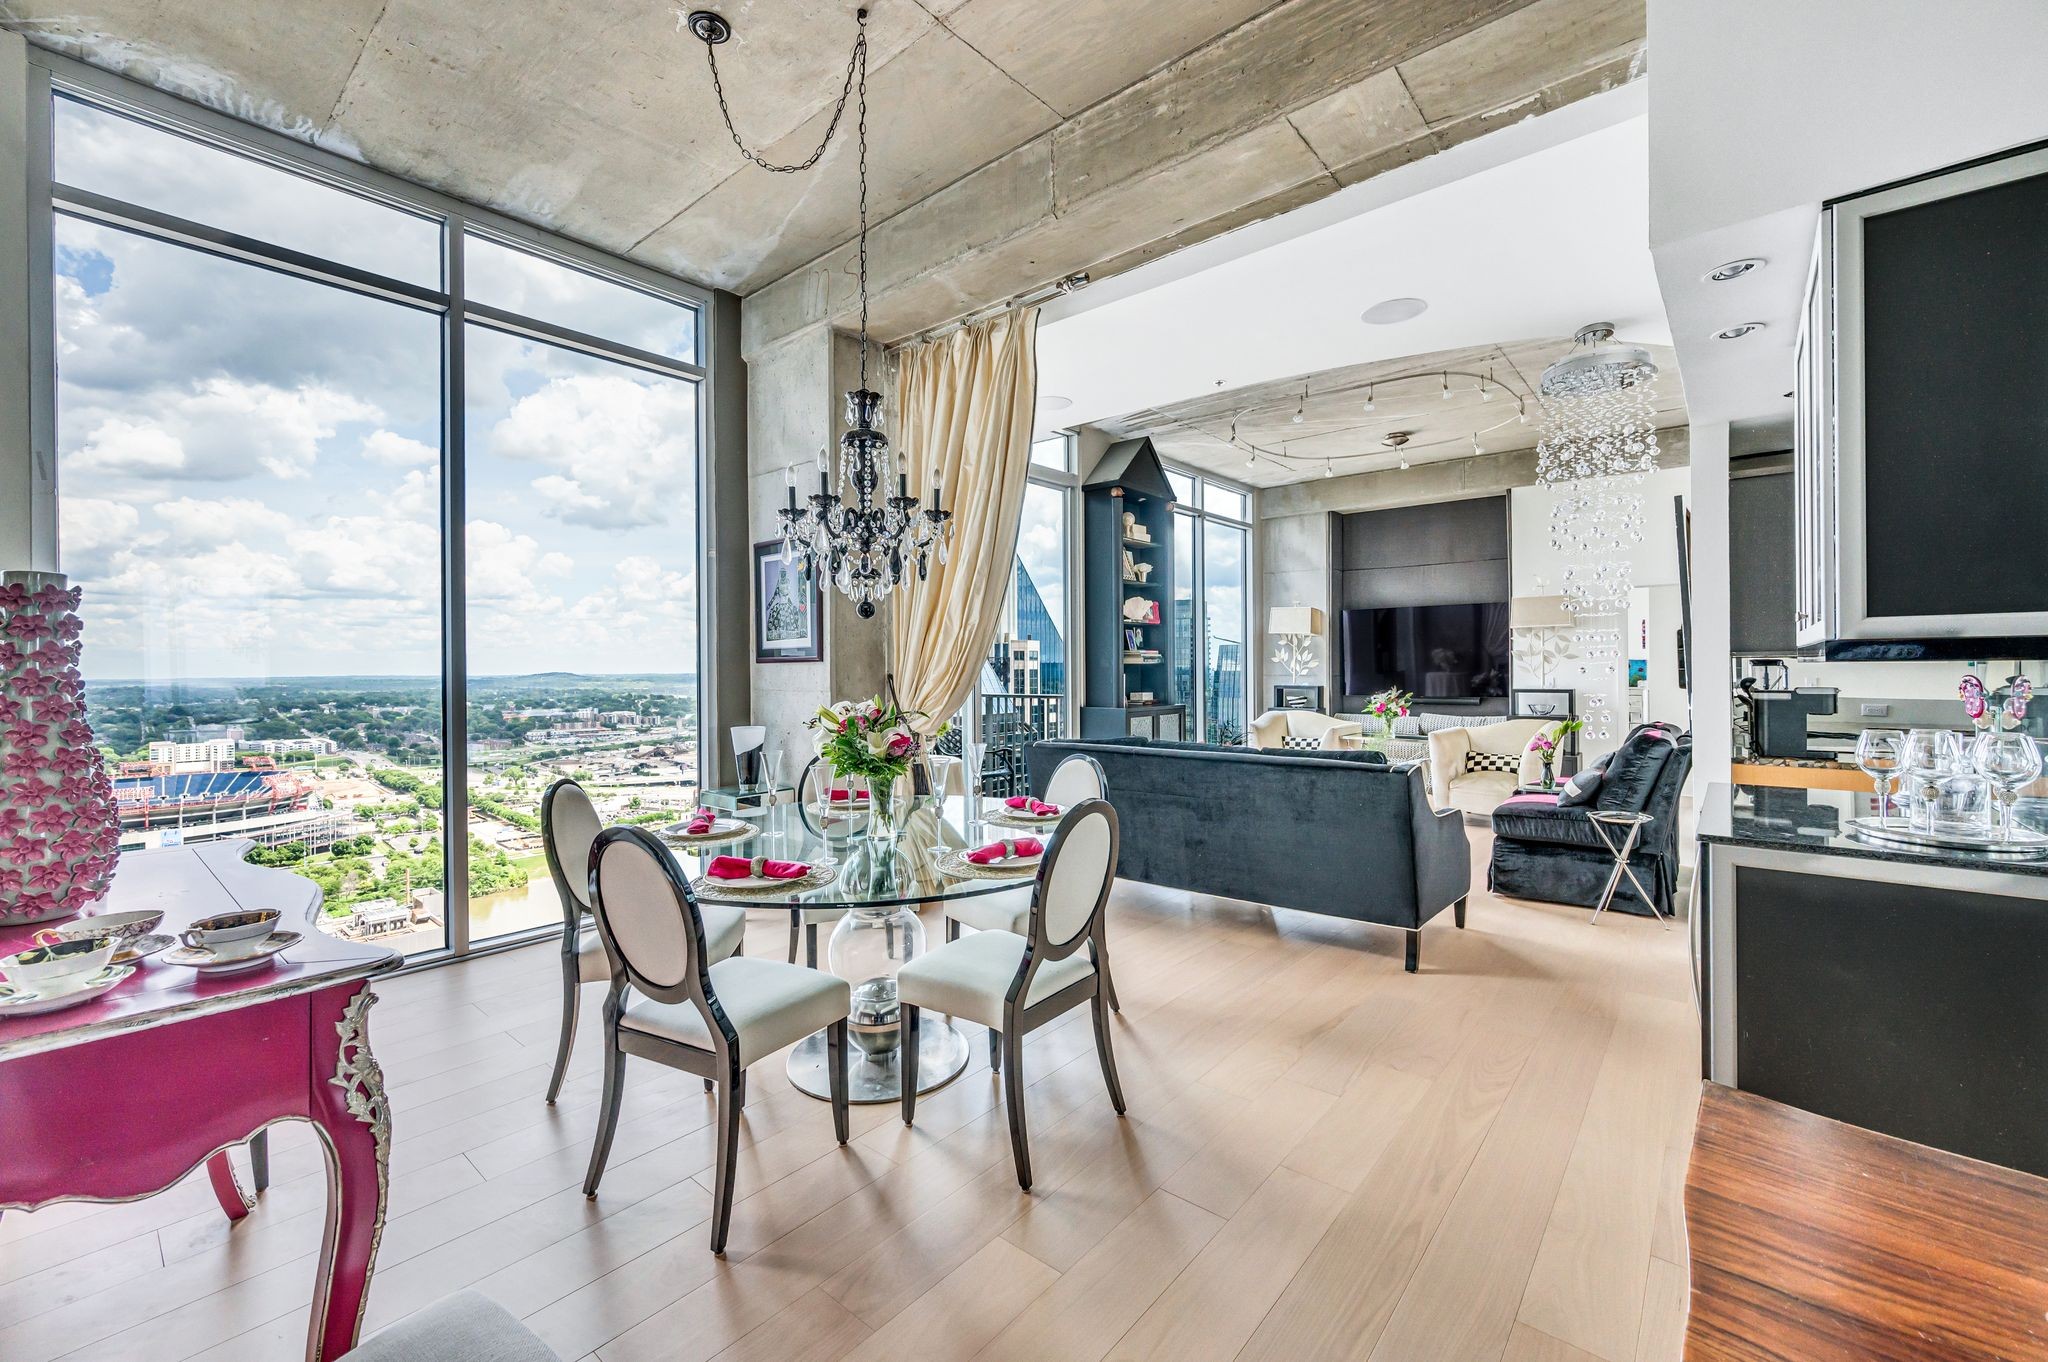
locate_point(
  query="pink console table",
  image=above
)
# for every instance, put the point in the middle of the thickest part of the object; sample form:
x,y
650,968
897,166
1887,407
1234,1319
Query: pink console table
x,y
119,1098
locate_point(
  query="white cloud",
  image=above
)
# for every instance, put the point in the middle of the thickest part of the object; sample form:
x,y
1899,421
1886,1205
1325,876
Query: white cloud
x,y
90,529
215,429
399,451
620,452
196,523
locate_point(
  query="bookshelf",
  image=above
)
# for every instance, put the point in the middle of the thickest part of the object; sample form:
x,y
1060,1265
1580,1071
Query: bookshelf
x,y
1127,597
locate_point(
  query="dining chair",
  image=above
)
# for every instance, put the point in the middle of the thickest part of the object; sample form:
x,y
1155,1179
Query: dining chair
x,y
804,923
1014,984
1076,779
705,1018
568,825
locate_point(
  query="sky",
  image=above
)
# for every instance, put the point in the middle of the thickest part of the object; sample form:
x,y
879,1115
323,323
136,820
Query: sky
x,y
249,462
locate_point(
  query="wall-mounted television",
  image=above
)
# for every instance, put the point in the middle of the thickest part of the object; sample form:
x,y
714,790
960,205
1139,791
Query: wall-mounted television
x,y
1439,652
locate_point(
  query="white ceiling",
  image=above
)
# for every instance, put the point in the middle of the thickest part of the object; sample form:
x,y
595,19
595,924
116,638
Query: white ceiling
x,y
1522,235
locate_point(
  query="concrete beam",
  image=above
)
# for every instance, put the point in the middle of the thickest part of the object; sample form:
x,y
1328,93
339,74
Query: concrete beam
x,y
1287,108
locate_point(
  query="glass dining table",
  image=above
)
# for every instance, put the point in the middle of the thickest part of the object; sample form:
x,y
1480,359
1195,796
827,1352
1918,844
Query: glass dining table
x,y
880,883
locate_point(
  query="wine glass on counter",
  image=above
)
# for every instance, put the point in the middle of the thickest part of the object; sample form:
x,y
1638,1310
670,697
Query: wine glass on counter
x,y
2011,761
1930,754
1880,754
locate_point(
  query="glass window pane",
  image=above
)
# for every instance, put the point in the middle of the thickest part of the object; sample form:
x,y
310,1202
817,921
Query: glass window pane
x,y
1050,452
1185,626
520,281
1183,487
250,465
1223,677
1222,501
582,629
124,159
1029,662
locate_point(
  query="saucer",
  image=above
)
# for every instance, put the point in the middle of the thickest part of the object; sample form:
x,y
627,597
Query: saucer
x,y
141,948
15,1003
209,964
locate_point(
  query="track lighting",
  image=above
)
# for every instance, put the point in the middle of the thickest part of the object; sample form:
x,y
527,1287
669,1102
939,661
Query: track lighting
x,y
1368,396
1447,387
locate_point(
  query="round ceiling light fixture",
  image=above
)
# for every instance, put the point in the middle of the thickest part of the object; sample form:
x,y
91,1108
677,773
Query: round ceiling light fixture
x,y
1054,402
1734,269
1738,331
1389,311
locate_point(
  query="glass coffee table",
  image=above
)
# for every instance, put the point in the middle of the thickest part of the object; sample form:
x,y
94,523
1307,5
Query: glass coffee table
x,y
880,884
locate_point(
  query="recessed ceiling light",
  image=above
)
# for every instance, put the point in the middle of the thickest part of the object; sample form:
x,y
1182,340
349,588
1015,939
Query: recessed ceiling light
x,y
1734,269
1053,403
1738,331
1388,311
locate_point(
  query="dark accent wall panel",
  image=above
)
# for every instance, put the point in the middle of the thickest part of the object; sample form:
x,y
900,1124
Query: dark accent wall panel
x,y
1445,553
1760,599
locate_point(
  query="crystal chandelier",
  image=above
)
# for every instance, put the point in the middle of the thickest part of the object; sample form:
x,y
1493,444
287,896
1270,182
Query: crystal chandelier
x,y
1599,444
865,542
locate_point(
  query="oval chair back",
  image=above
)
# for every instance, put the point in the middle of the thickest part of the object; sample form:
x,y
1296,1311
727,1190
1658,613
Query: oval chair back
x,y
650,923
1077,778
1072,887
568,827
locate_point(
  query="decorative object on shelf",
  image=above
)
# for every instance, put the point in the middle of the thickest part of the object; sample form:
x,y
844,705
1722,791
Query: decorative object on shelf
x,y
1144,573
60,830
1536,703
1141,610
2004,708
1390,704
789,623
1298,627
1135,531
1599,444
875,741
869,545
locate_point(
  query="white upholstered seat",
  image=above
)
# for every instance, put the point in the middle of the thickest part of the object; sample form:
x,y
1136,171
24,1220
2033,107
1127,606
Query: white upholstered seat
x,y
725,929
770,1004
970,977
1009,911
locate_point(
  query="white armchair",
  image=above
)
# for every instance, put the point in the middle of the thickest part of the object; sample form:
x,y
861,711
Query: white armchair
x,y
1474,769
1304,728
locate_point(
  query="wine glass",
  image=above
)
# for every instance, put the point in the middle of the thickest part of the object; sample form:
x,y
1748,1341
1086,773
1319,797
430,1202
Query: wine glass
x,y
1879,754
2010,761
1930,754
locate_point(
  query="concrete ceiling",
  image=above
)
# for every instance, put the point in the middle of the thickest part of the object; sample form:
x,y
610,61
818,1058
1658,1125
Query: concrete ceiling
x,y
1068,133
1337,437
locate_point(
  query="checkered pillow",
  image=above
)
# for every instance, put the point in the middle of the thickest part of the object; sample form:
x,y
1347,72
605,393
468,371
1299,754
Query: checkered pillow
x,y
1493,761
1294,744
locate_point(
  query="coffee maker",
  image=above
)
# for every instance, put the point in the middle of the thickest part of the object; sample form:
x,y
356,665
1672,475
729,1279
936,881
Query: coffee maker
x,y
1777,718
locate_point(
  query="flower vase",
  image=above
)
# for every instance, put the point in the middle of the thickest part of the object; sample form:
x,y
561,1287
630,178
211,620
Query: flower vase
x,y
60,829
892,801
1549,777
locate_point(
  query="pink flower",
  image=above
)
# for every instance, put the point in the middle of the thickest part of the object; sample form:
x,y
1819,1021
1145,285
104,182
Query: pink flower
x,y
10,656
56,708
21,853
12,821
33,683
49,820
28,734
10,709
27,626
78,733
49,875
13,596
21,764
69,627
10,882
899,744
81,895
35,906
74,845
77,760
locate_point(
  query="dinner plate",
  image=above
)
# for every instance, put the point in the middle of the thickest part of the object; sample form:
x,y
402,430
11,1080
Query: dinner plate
x,y
722,830
208,964
761,884
956,864
17,1003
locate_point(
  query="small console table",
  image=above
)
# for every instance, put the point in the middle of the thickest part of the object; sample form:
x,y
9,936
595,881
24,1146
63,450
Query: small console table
x,y
118,1098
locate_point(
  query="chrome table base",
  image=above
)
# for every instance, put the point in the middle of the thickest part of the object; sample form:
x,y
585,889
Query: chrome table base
x,y
941,1055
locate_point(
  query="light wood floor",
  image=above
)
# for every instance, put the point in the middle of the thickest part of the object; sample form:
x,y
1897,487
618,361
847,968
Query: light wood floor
x,y
1324,1158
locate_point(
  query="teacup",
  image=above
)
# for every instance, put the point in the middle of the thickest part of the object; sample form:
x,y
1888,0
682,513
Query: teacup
x,y
231,936
121,928
54,970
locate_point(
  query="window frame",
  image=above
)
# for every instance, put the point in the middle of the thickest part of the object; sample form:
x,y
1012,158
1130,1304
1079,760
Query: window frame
x,y
1199,481
52,75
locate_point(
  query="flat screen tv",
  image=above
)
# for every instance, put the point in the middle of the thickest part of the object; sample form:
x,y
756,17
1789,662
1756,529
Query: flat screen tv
x,y
1439,652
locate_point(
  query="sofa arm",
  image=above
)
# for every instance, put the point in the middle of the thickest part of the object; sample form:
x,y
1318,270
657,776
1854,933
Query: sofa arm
x,y
1342,736
1447,749
1268,728
1443,861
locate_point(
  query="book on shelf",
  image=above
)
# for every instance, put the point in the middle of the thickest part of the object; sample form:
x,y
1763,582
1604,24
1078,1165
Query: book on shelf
x,y
1142,655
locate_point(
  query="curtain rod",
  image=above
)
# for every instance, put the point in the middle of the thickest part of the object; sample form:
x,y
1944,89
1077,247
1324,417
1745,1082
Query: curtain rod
x,y
1072,283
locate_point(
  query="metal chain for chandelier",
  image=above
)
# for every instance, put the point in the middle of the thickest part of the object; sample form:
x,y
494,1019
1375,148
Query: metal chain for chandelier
x,y
865,544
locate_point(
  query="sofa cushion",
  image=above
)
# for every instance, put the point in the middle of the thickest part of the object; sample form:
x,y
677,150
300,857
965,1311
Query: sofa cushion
x,y
1538,818
1632,770
1580,790
1364,757
1476,760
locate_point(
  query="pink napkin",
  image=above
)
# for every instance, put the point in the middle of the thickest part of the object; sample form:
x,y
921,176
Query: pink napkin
x,y
1005,849
760,867
849,796
1032,806
700,822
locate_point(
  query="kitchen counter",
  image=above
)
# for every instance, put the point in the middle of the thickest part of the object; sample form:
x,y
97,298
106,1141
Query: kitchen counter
x,y
1813,821
1894,989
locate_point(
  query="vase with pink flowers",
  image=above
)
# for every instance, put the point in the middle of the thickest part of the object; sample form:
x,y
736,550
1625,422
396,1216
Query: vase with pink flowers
x,y
873,740
1390,704
59,827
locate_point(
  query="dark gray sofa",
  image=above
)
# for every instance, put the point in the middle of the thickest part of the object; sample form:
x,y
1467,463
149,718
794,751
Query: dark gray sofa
x,y
1337,833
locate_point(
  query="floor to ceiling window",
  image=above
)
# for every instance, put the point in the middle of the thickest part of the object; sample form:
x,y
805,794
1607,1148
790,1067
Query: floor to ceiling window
x,y
257,354
1212,566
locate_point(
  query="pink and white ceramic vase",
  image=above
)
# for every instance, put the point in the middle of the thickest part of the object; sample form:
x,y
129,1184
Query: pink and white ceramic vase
x,y
60,829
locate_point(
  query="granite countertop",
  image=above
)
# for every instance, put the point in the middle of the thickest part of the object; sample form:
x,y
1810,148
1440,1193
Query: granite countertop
x,y
1813,821
1816,763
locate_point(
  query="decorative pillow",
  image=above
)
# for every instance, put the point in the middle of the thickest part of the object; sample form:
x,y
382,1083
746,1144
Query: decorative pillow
x,y
1510,762
1631,773
1294,744
1580,789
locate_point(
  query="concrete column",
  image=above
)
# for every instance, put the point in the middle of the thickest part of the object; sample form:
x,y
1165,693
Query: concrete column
x,y
1296,557
1712,737
28,532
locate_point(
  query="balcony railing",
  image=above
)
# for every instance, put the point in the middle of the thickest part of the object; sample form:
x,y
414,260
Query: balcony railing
x,y
1010,722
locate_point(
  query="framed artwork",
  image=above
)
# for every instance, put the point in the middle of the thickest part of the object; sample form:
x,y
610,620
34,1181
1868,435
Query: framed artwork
x,y
789,608
1542,704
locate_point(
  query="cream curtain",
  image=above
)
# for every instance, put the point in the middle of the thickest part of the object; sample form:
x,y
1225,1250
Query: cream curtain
x,y
965,407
